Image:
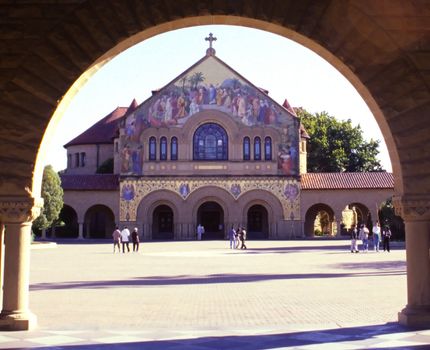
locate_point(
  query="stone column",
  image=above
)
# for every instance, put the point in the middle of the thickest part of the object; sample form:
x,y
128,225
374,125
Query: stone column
x,y
81,230
17,213
415,211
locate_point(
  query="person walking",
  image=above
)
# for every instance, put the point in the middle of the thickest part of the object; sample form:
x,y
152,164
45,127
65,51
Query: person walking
x,y
135,240
364,236
386,237
354,238
116,235
232,237
200,231
376,236
243,238
125,239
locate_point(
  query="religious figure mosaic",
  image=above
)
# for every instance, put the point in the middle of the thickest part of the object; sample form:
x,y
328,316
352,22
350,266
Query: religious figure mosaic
x,y
209,84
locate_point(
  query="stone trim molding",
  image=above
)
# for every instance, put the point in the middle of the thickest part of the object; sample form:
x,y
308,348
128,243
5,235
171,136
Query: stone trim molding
x,y
15,210
412,207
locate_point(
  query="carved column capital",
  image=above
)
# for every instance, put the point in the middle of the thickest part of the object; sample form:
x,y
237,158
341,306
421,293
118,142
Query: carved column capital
x,y
412,207
15,210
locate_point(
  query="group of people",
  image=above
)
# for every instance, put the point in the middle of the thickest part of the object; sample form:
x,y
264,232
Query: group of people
x,y
237,236
362,233
123,238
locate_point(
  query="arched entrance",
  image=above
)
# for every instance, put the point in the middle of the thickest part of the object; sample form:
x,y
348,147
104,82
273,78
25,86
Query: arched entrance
x,y
99,222
319,221
70,219
162,222
211,216
386,68
257,222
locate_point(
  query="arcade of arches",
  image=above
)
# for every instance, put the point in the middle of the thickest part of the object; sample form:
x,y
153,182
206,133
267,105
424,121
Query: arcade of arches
x,y
50,49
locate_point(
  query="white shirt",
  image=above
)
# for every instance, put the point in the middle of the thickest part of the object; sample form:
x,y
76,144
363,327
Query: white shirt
x,y
125,235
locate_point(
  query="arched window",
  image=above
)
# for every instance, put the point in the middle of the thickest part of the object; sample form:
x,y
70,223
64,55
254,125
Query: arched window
x,y
267,148
174,148
246,148
257,148
152,149
163,148
210,142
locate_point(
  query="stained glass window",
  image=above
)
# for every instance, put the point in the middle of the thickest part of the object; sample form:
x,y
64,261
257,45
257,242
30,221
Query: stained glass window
x,y
210,143
257,148
174,148
152,149
246,148
163,148
267,148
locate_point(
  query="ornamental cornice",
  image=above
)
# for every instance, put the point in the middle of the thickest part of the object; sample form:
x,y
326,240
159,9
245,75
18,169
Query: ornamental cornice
x,y
134,190
19,209
412,207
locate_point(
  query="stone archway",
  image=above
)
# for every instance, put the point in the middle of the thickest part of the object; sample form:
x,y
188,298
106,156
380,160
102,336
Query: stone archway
x,y
163,222
211,215
324,215
258,222
71,227
370,43
99,222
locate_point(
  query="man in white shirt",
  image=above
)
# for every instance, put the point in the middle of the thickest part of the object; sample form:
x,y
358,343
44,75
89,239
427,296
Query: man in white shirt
x,y
125,239
200,231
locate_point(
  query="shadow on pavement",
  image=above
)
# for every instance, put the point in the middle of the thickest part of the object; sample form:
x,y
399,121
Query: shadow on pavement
x,y
206,279
374,336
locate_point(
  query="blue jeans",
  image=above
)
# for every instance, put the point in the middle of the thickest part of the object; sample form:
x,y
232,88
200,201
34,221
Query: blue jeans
x,y
365,244
376,243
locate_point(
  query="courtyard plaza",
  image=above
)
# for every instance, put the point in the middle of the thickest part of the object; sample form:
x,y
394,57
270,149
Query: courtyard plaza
x,y
304,294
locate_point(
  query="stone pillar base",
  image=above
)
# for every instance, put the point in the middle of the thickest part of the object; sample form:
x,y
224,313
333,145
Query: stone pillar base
x,y
18,321
415,317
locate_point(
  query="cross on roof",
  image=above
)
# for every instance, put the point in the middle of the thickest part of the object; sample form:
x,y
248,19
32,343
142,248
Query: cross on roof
x,y
210,51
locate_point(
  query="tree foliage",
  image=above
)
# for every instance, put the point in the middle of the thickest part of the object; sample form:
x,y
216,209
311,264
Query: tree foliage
x,y
337,146
52,194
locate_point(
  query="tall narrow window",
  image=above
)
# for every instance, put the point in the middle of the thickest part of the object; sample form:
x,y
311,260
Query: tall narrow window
x,y
246,148
83,156
257,148
163,148
76,160
69,161
210,142
267,148
152,149
174,148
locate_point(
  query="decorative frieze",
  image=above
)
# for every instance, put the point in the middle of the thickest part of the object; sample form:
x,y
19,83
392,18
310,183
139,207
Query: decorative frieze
x,y
19,209
412,207
286,190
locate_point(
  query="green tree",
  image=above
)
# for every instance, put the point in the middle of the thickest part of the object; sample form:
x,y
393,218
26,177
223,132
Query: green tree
x,y
387,216
52,195
337,146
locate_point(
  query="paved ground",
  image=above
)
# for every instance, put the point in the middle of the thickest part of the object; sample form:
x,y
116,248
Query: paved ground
x,y
202,295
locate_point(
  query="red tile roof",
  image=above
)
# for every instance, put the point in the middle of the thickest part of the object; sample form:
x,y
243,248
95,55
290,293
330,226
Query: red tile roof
x,y
341,181
96,182
101,132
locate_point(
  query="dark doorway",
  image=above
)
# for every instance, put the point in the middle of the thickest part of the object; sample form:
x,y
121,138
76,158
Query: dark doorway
x,y
162,223
258,225
211,216
70,229
99,222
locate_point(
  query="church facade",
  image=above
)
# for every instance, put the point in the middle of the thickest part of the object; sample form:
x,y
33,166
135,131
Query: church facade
x,y
209,148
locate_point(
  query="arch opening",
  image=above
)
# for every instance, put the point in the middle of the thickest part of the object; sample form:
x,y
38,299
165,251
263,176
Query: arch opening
x,y
211,216
163,223
257,222
99,222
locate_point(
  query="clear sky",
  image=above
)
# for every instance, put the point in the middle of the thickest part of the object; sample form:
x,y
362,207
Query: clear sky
x,y
285,68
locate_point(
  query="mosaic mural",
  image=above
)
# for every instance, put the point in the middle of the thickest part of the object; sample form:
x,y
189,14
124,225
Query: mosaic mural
x,y
134,191
209,85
